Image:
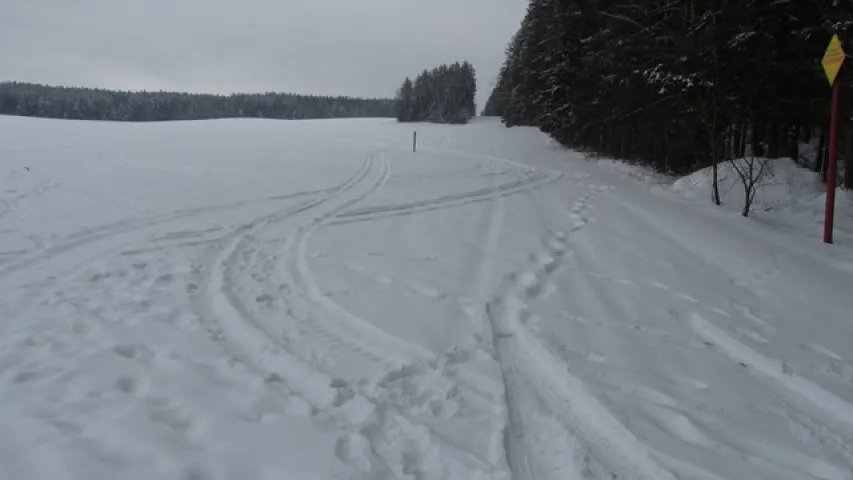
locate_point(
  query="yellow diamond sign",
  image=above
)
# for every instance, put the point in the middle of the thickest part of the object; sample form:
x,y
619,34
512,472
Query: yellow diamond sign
x,y
832,59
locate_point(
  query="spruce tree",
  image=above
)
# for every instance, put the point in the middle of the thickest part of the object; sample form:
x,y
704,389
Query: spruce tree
x,y
405,101
445,94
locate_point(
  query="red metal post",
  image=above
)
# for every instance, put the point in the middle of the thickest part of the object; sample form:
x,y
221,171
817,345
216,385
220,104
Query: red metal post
x,y
832,167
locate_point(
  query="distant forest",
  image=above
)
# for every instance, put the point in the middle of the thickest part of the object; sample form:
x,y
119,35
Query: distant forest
x,y
445,94
679,85
33,100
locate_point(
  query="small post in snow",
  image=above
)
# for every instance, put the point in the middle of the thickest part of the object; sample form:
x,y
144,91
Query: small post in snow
x,y
415,141
832,61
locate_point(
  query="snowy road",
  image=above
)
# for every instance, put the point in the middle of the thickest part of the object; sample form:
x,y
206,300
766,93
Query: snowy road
x,y
250,299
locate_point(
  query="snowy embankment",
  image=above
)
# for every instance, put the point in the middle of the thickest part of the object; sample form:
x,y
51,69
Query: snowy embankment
x,y
252,299
789,198
788,195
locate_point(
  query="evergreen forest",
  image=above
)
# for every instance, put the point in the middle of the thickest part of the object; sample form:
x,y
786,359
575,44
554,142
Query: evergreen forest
x,y
33,100
679,85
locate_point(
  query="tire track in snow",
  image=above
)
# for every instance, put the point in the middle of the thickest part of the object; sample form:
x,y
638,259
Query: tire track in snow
x,y
89,238
332,321
447,201
587,440
63,260
400,360
533,178
370,420
360,335
472,172
59,262
306,302
243,335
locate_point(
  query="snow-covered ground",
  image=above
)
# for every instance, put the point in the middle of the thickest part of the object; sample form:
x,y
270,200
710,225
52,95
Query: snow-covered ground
x,y
252,299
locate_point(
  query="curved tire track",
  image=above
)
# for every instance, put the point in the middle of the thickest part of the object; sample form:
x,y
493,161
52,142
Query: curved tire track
x,y
59,262
254,342
332,321
306,303
447,201
244,336
108,231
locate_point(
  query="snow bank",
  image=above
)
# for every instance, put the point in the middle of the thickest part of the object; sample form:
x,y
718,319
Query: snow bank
x,y
786,192
784,185
788,196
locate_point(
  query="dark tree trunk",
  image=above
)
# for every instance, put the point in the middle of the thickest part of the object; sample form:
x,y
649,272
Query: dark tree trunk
x,y
821,147
793,138
741,140
773,143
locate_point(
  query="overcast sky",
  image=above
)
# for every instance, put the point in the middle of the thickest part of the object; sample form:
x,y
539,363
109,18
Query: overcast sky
x,y
346,47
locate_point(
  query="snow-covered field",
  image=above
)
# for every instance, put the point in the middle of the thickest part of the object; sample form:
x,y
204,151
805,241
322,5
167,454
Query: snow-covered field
x,y
252,299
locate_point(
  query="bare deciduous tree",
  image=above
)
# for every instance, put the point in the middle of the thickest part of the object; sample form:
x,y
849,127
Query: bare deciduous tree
x,y
751,170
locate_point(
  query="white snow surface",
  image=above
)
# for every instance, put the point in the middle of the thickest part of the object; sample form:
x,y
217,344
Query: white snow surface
x,y
254,299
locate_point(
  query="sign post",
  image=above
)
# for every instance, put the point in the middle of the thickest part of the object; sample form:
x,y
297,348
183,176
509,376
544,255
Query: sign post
x,y
832,61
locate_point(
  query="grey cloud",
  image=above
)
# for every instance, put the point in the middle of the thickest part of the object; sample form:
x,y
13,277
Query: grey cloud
x,y
351,47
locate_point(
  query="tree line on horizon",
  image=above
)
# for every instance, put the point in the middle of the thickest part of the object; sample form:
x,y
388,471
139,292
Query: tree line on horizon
x,y
445,94
678,86
35,100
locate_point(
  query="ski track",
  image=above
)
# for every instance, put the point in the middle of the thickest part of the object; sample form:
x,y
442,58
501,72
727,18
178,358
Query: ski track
x,y
470,172
361,336
228,314
366,415
68,258
329,318
400,359
777,373
90,237
808,408
596,444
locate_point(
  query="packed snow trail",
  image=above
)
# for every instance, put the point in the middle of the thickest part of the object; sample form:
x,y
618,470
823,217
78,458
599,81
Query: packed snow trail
x,y
260,299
